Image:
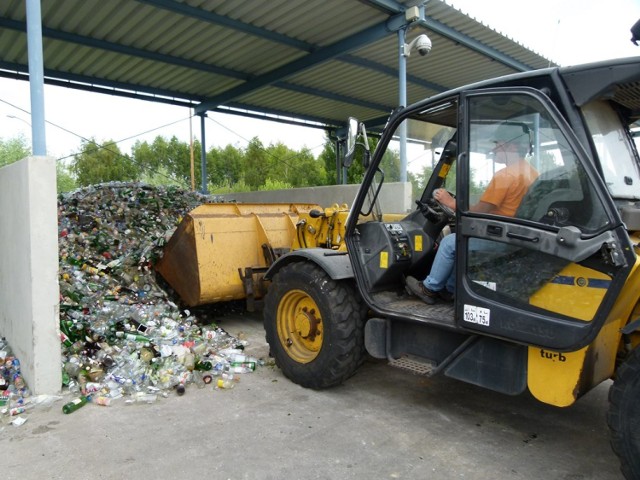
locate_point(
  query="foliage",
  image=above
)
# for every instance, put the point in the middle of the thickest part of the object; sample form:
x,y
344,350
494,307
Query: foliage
x,y
275,185
159,176
173,155
298,169
256,167
225,166
238,187
355,173
102,163
229,169
13,149
64,179
16,148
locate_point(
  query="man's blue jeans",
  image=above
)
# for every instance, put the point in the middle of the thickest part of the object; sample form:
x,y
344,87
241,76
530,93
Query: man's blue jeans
x,y
443,272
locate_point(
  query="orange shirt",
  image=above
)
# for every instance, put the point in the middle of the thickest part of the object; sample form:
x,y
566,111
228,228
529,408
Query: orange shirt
x,y
508,186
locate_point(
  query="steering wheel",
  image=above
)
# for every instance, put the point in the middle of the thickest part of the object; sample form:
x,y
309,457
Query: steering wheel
x,y
449,212
429,212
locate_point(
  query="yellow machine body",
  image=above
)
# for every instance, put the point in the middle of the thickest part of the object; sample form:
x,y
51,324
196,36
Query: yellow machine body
x,y
220,250
560,378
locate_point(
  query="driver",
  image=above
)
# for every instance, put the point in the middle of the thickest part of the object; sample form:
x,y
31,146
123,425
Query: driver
x,y
501,197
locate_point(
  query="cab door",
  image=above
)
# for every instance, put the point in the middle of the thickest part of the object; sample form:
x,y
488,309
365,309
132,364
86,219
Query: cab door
x,y
548,272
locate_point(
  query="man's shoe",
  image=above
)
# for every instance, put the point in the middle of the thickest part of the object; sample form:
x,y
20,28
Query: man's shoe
x,y
416,287
445,295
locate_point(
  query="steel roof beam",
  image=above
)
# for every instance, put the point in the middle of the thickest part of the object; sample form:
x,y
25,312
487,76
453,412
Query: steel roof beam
x,y
331,96
82,82
171,60
204,15
454,35
393,72
440,28
334,50
126,50
390,7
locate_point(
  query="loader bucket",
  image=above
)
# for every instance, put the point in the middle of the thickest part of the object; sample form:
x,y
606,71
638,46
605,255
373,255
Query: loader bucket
x,y
214,244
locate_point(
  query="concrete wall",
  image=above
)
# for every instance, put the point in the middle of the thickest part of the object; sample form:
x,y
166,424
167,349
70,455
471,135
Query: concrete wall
x,y
396,197
29,294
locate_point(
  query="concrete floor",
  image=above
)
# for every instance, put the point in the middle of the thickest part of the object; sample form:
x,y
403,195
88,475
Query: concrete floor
x,y
381,424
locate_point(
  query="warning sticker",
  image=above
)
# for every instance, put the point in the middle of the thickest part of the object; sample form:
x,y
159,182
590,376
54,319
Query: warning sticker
x,y
418,243
479,315
384,259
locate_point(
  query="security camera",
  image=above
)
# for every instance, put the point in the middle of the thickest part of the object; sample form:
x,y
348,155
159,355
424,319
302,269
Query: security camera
x,y
422,43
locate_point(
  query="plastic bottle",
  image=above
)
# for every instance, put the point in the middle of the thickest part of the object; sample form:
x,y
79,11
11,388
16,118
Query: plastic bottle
x,y
189,361
75,404
242,367
142,397
225,382
101,400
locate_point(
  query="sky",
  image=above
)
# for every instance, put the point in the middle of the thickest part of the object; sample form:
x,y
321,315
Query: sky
x,y
565,31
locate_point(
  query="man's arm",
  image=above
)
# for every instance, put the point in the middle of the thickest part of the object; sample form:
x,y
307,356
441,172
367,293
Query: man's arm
x,y
442,196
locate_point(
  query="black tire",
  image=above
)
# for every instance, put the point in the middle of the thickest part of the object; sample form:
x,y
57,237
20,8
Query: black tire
x,y
624,415
314,326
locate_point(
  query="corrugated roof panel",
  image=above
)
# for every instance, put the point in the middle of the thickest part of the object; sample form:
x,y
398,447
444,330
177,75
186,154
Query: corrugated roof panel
x,y
325,109
346,80
154,48
318,23
14,46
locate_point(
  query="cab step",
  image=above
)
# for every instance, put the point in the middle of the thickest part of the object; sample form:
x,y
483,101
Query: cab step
x,y
413,364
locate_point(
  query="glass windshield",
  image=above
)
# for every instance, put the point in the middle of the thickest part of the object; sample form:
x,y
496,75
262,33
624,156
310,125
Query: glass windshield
x,y
616,153
525,166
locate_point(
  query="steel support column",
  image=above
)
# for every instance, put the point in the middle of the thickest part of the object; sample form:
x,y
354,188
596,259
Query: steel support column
x,y
36,77
203,154
402,101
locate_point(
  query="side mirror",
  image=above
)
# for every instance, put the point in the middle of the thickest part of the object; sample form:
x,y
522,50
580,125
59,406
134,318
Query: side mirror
x,y
356,128
352,133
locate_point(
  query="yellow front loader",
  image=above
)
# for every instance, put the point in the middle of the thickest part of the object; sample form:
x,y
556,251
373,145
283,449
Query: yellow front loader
x,y
220,251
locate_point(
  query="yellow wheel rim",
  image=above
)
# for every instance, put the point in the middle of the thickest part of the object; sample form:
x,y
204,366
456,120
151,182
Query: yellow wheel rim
x,y
300,328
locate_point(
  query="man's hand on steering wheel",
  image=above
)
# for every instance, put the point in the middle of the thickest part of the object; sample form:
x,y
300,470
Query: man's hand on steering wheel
x,y
446,201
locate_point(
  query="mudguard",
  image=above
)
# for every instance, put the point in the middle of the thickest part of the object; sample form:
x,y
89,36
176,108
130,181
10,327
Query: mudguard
x,y
335,263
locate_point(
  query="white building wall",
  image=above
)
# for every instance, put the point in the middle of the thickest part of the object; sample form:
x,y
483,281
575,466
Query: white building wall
x,y
29,293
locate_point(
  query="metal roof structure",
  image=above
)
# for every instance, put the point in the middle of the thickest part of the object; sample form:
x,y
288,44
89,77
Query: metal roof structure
x,y
316,61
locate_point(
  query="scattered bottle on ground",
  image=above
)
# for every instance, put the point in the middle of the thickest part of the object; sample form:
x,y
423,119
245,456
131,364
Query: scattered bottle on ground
x,y
75,404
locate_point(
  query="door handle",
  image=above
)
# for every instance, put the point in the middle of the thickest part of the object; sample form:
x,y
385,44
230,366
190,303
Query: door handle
x,y
494,230
524,238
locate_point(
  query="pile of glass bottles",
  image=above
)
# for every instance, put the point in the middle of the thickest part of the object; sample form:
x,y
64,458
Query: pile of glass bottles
x,y
122,333
13,389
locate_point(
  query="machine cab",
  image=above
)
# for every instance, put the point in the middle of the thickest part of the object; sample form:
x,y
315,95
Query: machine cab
x,y
542,267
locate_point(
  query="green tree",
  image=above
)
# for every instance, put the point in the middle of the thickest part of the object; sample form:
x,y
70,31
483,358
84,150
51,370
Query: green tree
x,y
64,178
102,163
16,148
390,164
356,171
275,185
169,159
296,168
13,149
256,165
328,158
225,165
311,171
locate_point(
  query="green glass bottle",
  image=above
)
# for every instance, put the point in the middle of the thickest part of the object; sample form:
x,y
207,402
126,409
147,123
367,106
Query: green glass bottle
x,y
203,366
75,404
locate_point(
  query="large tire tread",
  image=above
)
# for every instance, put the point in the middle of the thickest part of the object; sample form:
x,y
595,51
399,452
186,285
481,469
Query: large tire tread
x,y
624,415
343,314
